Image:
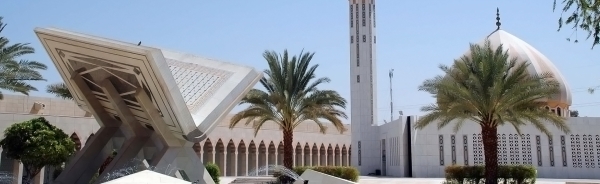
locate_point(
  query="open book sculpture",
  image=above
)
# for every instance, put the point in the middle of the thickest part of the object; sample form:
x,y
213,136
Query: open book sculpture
x,y
153,98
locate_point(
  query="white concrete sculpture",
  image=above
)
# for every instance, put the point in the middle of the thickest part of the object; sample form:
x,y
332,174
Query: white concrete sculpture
x,y
310,176
151,97
147,177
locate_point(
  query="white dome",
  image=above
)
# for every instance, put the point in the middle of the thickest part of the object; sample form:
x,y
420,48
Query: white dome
x,y
538,63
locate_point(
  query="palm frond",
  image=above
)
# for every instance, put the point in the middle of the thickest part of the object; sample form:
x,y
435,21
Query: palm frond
x,y
488,87
15,72
291,96
60,90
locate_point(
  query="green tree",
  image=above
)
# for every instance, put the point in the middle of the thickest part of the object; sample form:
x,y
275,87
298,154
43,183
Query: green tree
x,y
59,90
37,143
290,98
581,15
490,89
15,73
574,113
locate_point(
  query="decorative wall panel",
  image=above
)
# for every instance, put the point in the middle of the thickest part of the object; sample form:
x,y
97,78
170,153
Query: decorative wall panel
x,y
551,149
477,150
502,150
526,149
563,150
359,154
466,149
576,151
538,146
514,150
441,146
453,148
588,151
598,150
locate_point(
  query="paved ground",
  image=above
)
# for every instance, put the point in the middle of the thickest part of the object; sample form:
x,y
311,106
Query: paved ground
x,y
387,180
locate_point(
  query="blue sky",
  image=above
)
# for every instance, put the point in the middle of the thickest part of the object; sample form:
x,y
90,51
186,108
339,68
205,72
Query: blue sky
x,y
414,36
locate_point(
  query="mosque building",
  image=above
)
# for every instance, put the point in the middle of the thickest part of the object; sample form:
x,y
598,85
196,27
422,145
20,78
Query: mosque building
x,y
392,149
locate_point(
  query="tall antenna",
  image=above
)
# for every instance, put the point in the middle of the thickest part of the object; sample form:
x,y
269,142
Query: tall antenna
x,y
391,96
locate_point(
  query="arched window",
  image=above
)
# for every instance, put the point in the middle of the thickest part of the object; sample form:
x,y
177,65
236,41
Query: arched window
x,y
559,111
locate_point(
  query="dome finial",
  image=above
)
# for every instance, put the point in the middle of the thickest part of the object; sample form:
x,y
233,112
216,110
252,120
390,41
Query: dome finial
x,y
498,18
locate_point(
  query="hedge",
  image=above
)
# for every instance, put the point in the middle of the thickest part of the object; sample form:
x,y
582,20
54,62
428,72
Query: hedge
x,y
519,174
214,172
347,173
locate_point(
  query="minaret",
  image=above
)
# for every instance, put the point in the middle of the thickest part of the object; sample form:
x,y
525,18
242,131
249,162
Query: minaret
x,y
363,83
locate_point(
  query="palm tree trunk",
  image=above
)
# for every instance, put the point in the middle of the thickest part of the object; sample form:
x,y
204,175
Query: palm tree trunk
x,y
288,149
490,148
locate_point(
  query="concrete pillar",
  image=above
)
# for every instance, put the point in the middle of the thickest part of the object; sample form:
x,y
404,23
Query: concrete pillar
x,y
247,167
225,157
39,178
302,158
235,159
17,172
256,164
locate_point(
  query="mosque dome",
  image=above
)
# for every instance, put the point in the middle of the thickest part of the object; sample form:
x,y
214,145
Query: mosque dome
x,y
538,64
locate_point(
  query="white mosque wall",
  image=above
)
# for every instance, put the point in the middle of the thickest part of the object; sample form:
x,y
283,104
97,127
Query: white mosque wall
x,y
573,155
396,147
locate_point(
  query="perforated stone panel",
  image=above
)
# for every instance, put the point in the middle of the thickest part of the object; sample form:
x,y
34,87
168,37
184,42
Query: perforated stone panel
x,y
196,83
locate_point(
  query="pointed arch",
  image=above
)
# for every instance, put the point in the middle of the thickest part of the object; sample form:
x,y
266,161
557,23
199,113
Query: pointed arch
x,y
198,149
242,167
271,156
280,153
337,156
329,155
220,156
298,155
229,169
344,155
322,155
88,139
76,140
209,152
306,155
262,157
315,155
252,159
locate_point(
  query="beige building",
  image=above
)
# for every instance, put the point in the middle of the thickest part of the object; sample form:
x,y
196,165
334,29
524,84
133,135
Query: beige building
x,y
237,151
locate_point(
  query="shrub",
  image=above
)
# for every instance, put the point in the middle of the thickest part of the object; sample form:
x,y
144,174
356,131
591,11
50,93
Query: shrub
x,y
214,172
347,173
518,174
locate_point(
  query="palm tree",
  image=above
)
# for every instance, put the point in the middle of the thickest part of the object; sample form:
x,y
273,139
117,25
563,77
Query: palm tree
x,y
290,98
490,89
14,73
60,90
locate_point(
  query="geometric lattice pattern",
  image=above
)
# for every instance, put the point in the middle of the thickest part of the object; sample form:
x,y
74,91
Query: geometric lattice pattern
x,y
588,151
526,149
441,146
502,150
576,160
515,151
598,150
563,150
478,150
453,148
197,83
